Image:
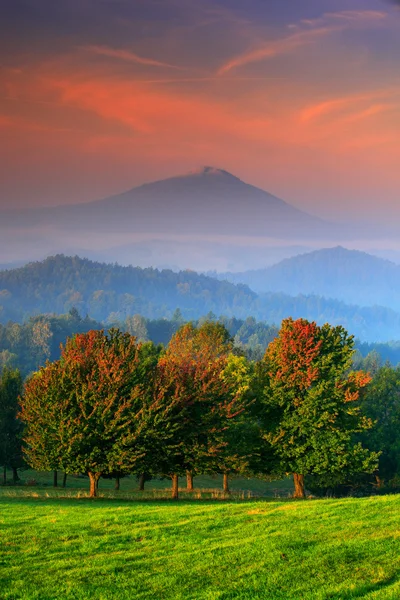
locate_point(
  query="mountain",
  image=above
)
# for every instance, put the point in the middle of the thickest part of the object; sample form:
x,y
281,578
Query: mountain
x,y
349,275
111,293
207,201
207,218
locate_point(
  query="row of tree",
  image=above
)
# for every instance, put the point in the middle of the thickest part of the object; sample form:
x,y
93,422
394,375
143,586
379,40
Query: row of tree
x,y
112,406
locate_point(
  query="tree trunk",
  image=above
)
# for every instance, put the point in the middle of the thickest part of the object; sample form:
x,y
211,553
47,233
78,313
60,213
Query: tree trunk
x,y
4,475
117,482
141,482
55,478
299,490
189,481
225,483
94,482
175,488
15,475
64,483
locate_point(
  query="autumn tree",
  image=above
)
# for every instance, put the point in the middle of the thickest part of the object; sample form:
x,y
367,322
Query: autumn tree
x,y
86,413
310,403
199,394
10,426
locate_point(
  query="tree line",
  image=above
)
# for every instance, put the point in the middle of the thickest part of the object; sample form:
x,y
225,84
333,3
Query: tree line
x,y
28,345
112,405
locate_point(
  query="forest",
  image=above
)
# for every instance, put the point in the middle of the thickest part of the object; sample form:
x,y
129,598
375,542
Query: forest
x,y
112,293
28,345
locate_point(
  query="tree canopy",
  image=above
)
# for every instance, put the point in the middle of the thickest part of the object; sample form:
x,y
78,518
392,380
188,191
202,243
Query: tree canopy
x,y
87,412
200,384
10,426
310,403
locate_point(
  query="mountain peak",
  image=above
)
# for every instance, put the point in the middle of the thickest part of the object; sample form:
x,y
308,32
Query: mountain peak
x,y
209,171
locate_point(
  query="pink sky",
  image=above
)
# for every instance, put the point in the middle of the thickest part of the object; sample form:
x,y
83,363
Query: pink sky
x,y
301,102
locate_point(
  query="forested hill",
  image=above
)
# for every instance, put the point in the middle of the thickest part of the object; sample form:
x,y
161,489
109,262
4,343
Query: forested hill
x,y
349,275
111,293
61,282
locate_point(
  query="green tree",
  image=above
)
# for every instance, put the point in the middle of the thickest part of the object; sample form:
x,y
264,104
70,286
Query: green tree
x,y
240,434
381,404
10,427
86,413
310,403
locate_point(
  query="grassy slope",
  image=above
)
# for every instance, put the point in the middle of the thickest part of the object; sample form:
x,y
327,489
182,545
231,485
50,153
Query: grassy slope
x,y
318,549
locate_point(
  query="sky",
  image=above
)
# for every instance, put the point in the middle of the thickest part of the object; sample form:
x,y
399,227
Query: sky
x,y
298,97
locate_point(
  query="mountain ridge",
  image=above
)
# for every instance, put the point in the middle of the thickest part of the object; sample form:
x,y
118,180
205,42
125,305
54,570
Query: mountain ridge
x,y
351,276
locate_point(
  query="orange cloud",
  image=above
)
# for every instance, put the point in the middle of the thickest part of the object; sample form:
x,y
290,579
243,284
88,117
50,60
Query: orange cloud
x,y
353,104
179,120
150,109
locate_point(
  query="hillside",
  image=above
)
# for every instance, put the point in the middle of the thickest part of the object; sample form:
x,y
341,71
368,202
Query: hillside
x,y
349,275
59,283
110,293
252,549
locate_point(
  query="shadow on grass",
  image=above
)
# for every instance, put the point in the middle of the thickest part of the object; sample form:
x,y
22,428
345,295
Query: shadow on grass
x,y
365,589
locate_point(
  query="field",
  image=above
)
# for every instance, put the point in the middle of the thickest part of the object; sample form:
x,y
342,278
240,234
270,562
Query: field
x,y
58,544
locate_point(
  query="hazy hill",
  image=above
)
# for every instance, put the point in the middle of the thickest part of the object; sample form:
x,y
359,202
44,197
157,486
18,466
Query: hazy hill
x,y
207,220
207,201
59,283
349,275
110,293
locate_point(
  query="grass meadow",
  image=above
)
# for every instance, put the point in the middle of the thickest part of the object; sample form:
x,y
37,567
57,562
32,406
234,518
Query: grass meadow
x,y
59,544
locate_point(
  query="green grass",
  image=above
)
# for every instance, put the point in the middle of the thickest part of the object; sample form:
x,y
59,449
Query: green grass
x,y
73,548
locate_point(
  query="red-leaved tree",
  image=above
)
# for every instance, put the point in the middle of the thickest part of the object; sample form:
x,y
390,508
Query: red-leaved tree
x,y
310,408
199,391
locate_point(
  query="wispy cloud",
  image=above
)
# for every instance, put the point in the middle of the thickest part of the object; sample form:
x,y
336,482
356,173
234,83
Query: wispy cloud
x,y
359,17
307,32
275,48
356,106
128,56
